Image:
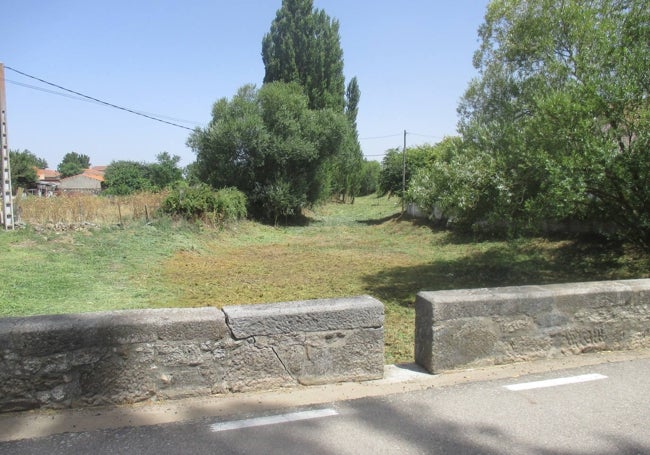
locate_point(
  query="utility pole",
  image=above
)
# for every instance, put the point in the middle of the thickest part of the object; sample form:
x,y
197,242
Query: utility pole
x,y
404,172
7,202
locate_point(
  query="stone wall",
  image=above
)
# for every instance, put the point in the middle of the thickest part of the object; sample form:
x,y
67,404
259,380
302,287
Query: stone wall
x,y
476,327
128,356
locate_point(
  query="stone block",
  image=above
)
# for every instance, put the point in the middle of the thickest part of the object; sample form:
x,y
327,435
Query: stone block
x,y
305,316
486,326
329,357
42,335
570,298
312,342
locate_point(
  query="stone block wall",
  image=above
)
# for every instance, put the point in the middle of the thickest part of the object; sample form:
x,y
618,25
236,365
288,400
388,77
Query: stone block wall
x,y
475,327
129,356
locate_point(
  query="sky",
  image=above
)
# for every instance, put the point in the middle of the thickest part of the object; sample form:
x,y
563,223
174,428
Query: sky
x,y
174,59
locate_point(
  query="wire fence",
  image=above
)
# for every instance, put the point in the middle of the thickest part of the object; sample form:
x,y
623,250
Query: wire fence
x,y
84,208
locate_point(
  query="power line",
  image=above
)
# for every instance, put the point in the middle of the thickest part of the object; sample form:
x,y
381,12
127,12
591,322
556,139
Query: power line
x,y
96,100
41,89
400,135
425,135
79,98
379,137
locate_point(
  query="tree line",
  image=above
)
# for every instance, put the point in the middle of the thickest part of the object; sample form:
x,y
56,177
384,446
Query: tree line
x,y
556,125
120,178
288,144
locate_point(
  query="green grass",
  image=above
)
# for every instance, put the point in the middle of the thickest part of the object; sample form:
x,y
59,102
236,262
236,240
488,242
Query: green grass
x,y
343,250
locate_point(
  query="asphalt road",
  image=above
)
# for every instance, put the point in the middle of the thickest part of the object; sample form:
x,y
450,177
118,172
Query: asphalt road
x,y
594,409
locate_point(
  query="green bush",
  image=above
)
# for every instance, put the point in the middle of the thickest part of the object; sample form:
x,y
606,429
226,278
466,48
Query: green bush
x,y
231,204
202,202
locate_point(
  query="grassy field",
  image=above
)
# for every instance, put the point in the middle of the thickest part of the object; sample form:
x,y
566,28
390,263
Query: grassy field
x,y
365,248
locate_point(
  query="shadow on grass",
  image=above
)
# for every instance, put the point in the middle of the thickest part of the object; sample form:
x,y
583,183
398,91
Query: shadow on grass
x,y
512,264
379,221
403,218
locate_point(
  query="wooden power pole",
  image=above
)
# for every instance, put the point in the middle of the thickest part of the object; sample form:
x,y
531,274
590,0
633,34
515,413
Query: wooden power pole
x,y
7,201
404,172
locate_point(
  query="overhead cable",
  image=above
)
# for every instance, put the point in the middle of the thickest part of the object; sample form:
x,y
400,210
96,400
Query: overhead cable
x,y
115,106
379,137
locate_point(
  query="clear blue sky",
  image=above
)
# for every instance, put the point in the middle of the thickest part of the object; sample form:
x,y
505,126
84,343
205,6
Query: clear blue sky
x,y
413,60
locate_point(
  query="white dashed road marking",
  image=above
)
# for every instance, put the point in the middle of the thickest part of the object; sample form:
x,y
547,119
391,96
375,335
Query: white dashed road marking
x,y
272,420
555,382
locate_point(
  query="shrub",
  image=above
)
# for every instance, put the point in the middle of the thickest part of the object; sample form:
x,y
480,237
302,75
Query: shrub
x,y
202,202
231,204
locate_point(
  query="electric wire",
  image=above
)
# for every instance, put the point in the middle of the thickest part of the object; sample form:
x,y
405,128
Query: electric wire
x,y
379,137
159,118
41,89
425,135
96,100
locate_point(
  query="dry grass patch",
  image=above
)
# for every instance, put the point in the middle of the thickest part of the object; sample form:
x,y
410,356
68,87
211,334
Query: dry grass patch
x,y
276,272
81,208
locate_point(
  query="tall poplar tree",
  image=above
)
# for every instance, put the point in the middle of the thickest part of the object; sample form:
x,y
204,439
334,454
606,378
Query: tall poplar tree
x,y
304,46
348,164
352,98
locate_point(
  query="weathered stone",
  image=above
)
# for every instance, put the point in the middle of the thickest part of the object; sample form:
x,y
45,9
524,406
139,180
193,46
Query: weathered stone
x,y
311,342
42,335
486,326
253,367
505,301
176,354
326,357
572,297
462,341
305,316
128,356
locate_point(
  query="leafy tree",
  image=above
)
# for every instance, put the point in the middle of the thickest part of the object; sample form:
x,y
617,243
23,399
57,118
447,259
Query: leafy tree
x,y
271,146
304,46
345,169
165,171
369,177
560,112
126,177
23,168
352,98
457,183
348,163
72,164
392,167
191,174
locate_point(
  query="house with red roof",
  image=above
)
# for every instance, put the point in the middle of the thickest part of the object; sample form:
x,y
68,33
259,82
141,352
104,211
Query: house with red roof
x,y
88,182
47,182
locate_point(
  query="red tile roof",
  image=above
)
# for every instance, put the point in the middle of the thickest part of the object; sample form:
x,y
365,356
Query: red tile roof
x,y
95,172
47,174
